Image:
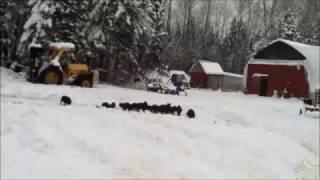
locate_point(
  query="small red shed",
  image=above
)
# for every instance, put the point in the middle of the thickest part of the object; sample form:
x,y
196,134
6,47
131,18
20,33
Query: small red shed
x,y
283,67
207,74
200,71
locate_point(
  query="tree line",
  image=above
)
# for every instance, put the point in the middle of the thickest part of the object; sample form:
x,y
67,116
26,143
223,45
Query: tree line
x,y
231,31
129,38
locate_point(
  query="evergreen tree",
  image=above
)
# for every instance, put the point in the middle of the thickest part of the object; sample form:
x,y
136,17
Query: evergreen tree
x,y
289,28
38,26
115,26
312,35
152,42
129,32
55,21
13,15
69,19
316,33
309,23
5,37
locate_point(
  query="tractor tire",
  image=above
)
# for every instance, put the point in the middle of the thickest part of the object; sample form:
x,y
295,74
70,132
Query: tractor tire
x,y
84,80
86,83
51,75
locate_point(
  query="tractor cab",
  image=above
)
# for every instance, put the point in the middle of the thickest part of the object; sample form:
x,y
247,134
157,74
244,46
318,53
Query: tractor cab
x,y
47,67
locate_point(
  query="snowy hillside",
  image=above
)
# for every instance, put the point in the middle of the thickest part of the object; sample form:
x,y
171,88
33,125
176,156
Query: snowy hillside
x,y
232,136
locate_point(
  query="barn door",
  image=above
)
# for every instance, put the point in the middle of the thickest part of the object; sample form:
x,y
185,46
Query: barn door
x,y
263,87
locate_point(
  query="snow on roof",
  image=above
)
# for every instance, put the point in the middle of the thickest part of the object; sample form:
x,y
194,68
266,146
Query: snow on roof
x,y
233,74
291,43
165,78
62,45
179,72
214,68
311,63
211,67
259,75
35,45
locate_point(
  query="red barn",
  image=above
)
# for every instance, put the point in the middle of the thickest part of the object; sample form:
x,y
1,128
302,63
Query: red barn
x,y
206,74
200,71
283,67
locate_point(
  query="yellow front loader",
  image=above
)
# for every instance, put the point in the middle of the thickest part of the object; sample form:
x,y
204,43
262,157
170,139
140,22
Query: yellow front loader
x,y
48,70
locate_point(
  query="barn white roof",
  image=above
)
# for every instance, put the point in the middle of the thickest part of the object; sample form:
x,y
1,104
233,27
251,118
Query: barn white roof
x,y
311,63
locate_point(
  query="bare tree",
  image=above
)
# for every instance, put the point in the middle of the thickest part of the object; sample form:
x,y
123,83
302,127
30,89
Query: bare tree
x,y
187,6
169,16
271,17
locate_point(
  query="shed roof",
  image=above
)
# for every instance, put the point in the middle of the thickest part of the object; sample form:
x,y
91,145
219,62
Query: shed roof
x,y
233,75
211,67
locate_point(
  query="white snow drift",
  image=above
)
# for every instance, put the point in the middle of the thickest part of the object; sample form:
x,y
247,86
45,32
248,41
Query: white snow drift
x,y
232,136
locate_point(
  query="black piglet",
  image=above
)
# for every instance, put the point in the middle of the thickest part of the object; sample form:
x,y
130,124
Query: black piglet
x,y
65,100
191,113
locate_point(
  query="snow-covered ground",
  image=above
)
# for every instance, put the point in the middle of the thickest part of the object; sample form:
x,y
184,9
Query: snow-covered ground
x,y
232,136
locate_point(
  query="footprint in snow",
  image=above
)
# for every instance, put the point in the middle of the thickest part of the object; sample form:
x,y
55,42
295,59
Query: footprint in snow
x,y
40,145
6,130
16,102
31,112
232,118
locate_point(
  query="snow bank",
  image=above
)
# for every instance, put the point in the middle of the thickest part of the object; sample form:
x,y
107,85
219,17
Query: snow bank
x,y
266,138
